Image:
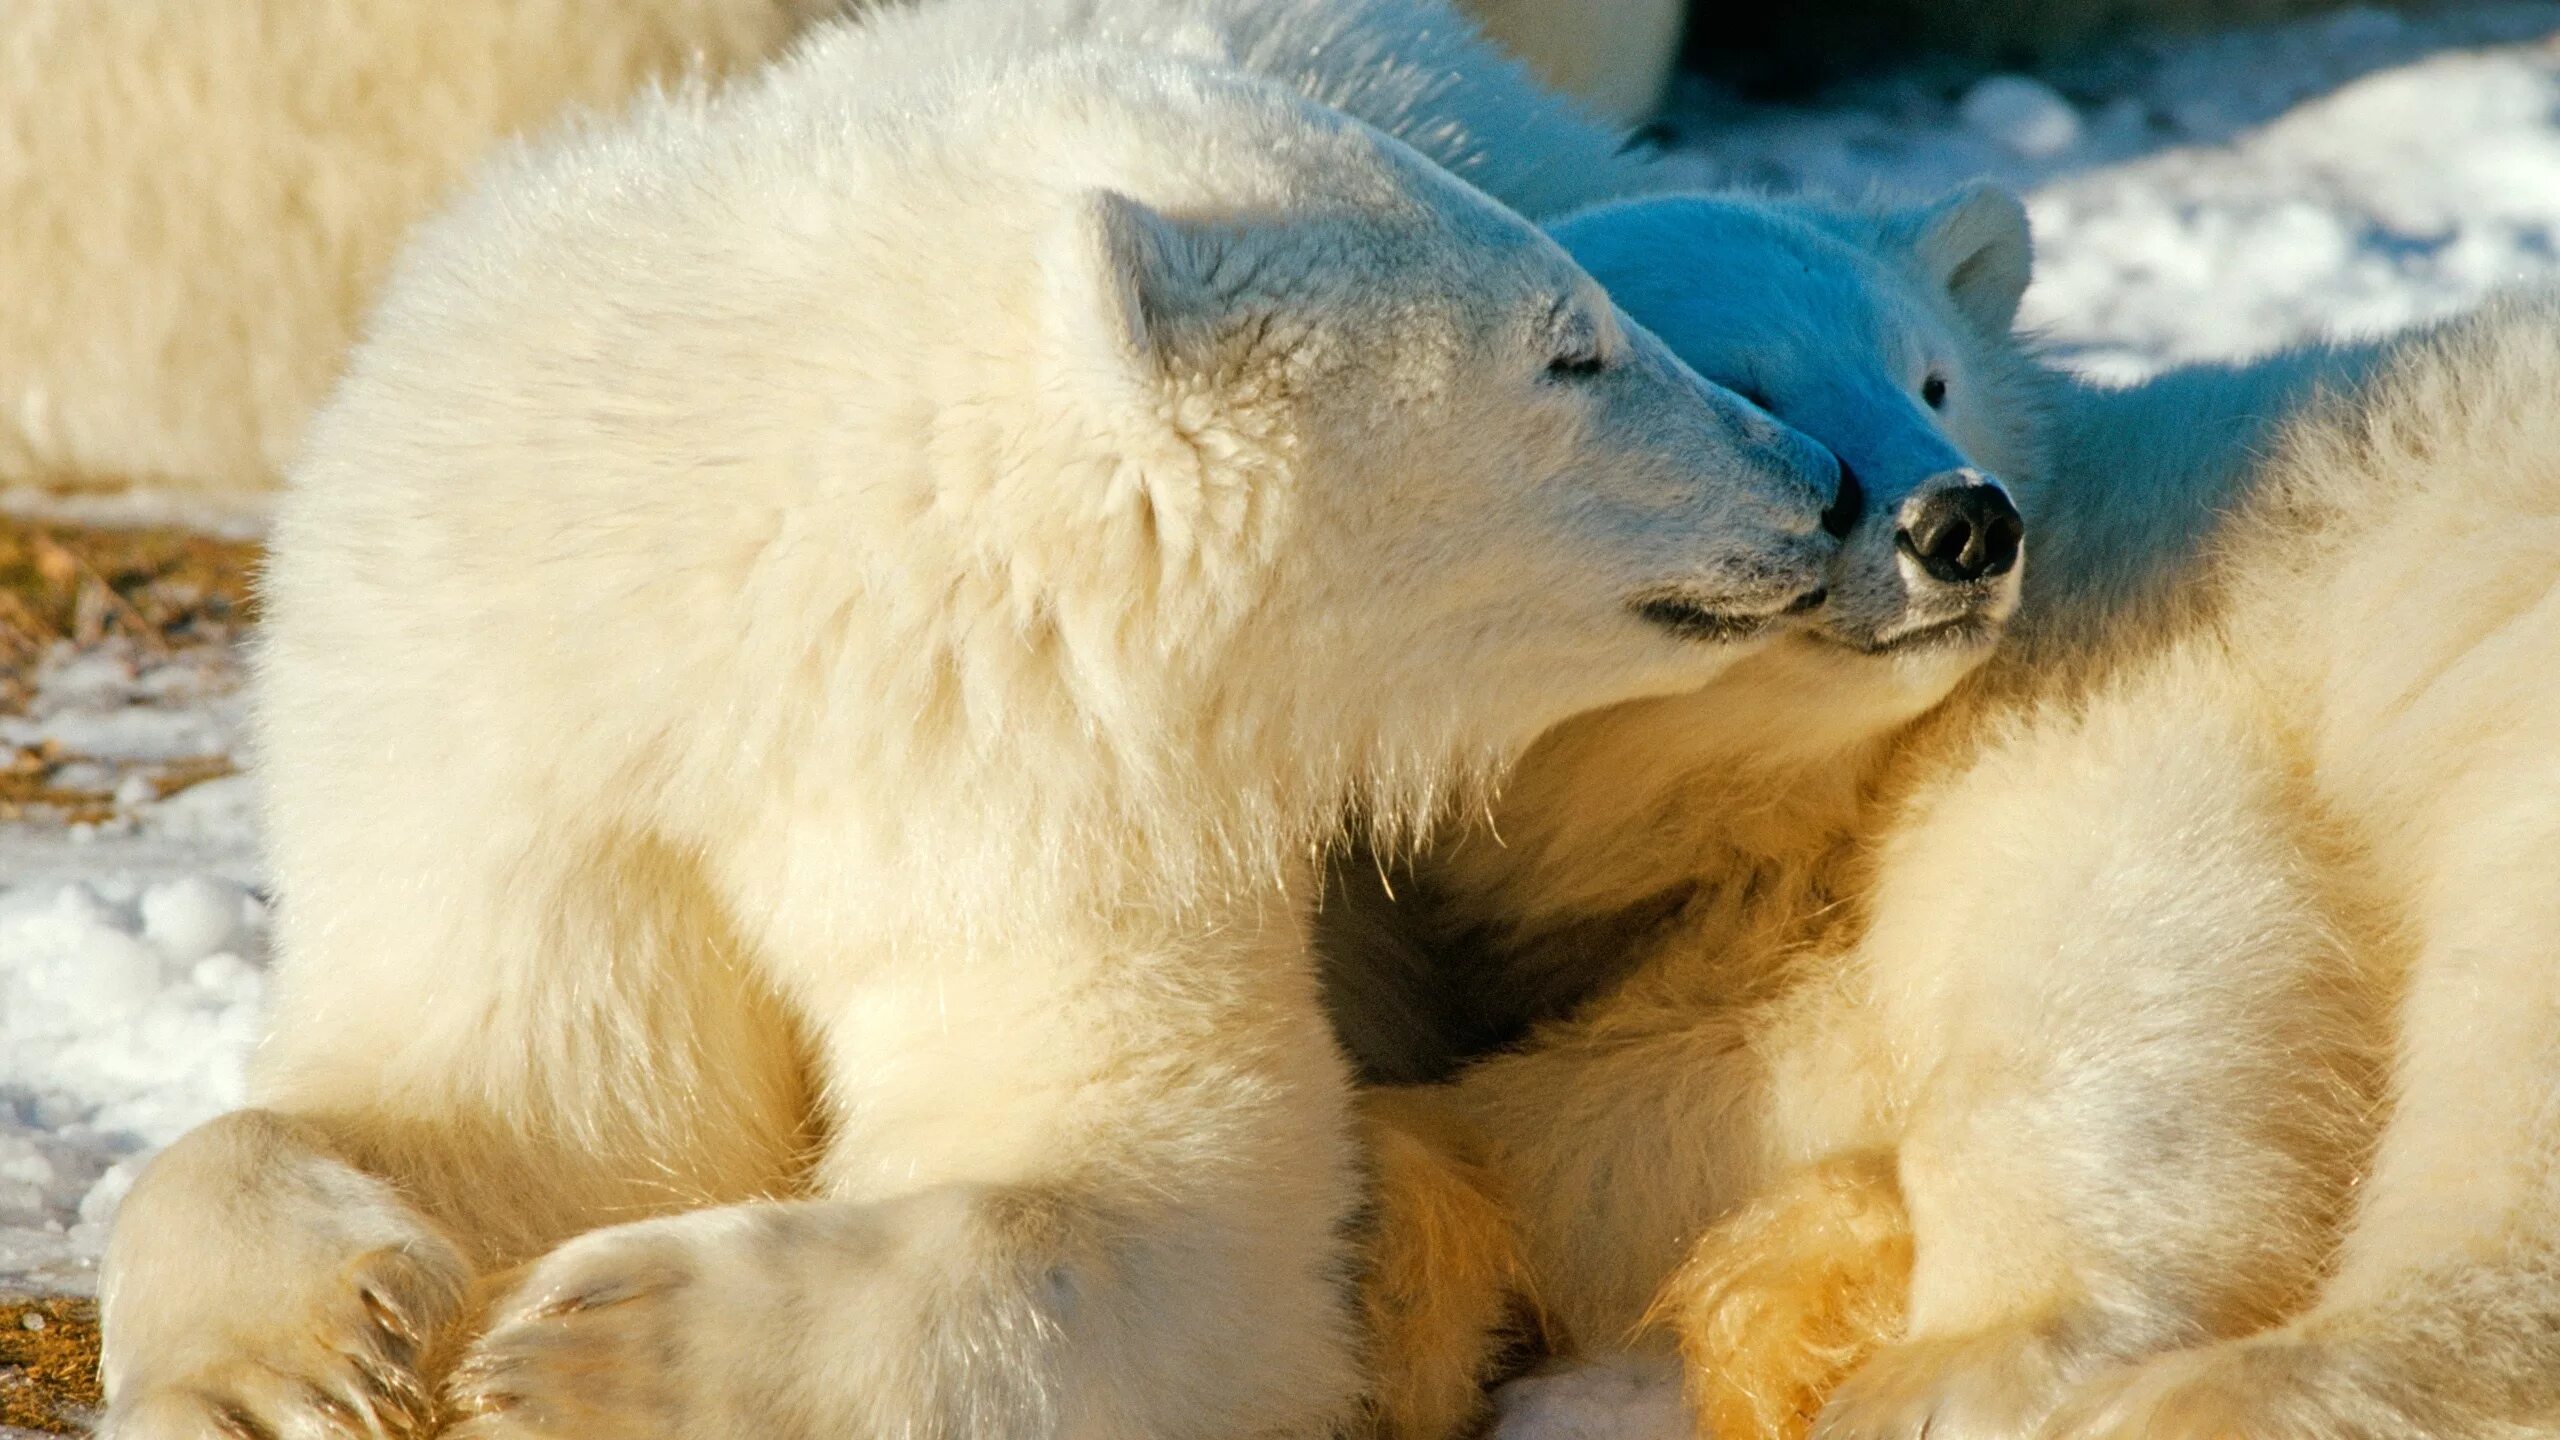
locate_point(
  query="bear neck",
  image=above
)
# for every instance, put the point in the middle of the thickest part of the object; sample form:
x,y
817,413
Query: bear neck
x,y
2136,495
2127,490
1620,813
1074,770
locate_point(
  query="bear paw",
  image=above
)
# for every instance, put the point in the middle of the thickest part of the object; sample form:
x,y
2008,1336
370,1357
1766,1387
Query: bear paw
x,y
1778,1303
589,1344
1996,1385
352,1367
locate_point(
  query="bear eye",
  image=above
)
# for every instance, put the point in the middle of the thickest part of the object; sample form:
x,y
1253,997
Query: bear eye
x,y
1933,392
1579,365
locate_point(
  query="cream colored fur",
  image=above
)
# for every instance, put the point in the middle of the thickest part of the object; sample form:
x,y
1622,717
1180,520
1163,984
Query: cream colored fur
x,y
1616,55
2266,848
2186,960
1448,1305
199,198
807,670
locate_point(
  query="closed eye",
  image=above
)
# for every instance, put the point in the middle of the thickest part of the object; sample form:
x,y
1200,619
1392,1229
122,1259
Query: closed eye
x,y
1581,366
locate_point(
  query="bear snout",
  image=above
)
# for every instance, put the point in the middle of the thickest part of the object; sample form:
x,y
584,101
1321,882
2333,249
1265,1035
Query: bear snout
x,y
1961,528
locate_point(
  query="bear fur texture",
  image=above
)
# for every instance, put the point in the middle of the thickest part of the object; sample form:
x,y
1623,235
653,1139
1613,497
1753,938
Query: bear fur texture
x,y
807,670
2139,971
1614,55
199,198
2215,1071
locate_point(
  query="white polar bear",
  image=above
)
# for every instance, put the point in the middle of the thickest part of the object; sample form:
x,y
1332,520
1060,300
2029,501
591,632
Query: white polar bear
x,y
199,198
2039,1021
804,671
2149,925
1615,55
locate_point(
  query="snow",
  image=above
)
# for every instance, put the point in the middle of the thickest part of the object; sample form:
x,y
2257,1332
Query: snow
x,y
1609,1397
2022,115
232,517
130,949
2222,195
2196,199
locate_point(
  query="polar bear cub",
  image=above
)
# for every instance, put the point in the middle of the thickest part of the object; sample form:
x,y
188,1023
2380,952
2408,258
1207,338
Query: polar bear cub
x,y
2199,1006
807,665
2148,1032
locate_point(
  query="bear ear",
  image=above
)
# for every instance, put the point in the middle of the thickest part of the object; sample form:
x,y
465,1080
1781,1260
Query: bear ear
x,y
1130,281
1976,243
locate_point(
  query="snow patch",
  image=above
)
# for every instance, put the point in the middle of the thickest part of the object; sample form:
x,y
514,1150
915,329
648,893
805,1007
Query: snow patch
x,y
1629,1396
2022,115
132,949
2222,195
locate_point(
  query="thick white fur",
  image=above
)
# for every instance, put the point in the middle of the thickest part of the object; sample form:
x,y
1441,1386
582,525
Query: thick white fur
x,y
199,198
806,669
1411,68
1730,818
2117,951
2382,618
2258,849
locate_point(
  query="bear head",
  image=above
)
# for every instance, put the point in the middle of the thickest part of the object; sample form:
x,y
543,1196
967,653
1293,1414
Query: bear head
x,y
1368,469
1886,334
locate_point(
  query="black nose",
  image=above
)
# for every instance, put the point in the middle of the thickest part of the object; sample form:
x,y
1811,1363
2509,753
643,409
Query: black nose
x,y
1963,533
1847,504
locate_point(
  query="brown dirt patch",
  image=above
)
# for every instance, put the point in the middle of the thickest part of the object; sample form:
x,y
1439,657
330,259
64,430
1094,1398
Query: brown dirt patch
x,y
157,591
162,589
48,1364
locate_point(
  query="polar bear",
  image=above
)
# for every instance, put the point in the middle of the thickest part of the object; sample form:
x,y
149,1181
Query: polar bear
x,y
806,669
1615,56
2196,1007
2042,1025
201,197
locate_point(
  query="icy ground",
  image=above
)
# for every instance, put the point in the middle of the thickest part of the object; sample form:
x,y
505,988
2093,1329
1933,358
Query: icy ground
x,y
2203,198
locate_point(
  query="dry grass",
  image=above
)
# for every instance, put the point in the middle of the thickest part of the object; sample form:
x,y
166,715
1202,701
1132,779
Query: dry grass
x,y
160,588
158,591
48,1364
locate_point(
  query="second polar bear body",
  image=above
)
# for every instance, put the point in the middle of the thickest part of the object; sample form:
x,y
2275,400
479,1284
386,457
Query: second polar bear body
x,y
2193,1001
1695,845
2097,966
804,670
